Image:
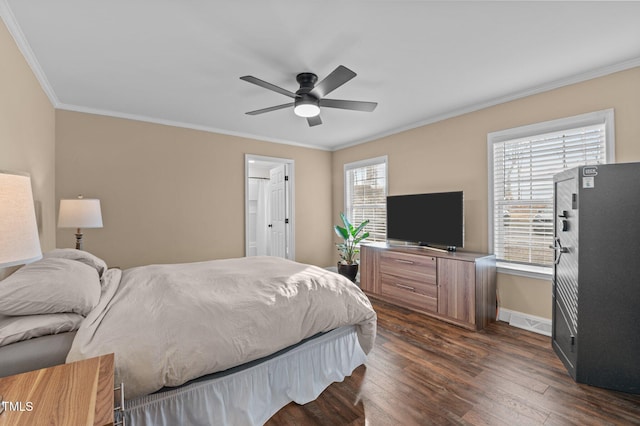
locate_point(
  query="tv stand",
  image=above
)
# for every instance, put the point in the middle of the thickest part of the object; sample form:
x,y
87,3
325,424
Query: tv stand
x,y
457,287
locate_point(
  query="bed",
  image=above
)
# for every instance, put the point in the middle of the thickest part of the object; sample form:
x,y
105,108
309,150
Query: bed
x,y
220,342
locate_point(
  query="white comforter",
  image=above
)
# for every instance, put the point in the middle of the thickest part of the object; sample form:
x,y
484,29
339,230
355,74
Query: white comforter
x,y
168,324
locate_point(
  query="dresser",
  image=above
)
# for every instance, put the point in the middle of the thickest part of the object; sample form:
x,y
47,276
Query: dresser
x,y
79,393
457,287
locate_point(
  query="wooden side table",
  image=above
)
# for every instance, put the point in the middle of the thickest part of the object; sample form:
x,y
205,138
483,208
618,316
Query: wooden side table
x,y
79,393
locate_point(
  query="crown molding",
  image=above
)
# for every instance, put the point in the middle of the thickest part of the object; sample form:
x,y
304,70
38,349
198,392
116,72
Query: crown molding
x,y
556,84
142,118
23,45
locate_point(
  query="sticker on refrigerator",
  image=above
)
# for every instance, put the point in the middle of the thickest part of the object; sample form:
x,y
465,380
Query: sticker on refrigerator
x,y
588,182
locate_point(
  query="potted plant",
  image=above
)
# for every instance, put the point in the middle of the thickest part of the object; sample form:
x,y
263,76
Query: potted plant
x,y
348,249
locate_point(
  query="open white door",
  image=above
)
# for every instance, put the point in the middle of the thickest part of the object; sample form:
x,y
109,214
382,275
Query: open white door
x,y
277,220
278,200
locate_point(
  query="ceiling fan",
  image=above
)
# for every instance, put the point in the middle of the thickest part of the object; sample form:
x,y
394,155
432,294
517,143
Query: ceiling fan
x,y
311,96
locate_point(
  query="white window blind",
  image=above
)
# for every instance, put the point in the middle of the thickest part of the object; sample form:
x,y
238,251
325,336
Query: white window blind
x,y
366,195
523,170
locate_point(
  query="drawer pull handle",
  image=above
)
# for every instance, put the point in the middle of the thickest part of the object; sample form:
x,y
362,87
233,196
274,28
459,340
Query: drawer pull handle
x,y
406,287
120,407
404,261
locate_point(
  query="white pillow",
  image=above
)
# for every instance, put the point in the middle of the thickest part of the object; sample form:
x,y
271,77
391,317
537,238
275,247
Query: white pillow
x,y
81,256
50,286
16,329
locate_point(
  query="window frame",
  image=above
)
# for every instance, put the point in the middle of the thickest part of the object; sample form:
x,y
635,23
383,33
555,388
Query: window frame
x,y
359,164
605,117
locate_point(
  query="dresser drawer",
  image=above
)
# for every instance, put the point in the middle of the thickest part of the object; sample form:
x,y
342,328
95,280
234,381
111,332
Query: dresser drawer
x,y
416,294
409,266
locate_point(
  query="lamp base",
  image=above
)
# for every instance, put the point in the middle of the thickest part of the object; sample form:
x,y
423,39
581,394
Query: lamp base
x,y
78,240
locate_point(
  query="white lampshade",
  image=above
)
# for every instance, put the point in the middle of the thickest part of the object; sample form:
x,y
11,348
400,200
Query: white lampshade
x,y
80,213
19,241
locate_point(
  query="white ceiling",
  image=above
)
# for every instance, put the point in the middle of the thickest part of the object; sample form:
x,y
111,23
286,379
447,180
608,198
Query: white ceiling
x,y
179,62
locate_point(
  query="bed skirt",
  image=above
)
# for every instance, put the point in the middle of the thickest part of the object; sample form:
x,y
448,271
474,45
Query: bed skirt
x,y
251,395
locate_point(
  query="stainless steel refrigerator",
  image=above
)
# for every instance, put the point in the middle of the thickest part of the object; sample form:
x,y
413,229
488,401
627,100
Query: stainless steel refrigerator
x,y
596,276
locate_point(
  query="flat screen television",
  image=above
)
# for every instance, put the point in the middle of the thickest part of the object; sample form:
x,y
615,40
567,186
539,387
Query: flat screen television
x,y
435,219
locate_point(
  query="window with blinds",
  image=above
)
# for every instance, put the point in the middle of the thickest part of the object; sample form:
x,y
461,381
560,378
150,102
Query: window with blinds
x,y
366,195
522,186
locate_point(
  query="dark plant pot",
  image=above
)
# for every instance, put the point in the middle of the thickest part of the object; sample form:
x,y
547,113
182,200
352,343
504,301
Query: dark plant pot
x,y
349,271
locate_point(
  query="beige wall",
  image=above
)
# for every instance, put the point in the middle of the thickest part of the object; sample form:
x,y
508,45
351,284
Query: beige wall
x,y
171,194
452,155
27,133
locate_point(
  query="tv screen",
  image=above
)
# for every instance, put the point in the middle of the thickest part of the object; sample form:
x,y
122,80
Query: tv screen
x,y
427,219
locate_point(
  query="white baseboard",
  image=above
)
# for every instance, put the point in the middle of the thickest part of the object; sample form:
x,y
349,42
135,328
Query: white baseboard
x,y
525,321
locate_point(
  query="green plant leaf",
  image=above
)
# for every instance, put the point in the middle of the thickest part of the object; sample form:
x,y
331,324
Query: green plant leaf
x,y
360,227
342,233
347,224
357,240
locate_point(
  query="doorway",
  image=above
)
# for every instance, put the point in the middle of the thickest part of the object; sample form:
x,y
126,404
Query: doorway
x,y
269,201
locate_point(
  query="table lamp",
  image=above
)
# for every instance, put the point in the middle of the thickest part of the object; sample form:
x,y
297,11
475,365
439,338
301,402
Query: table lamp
x,y
19,241
80,213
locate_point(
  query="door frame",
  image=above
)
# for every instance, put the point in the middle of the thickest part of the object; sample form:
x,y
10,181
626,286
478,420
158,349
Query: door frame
x,y
290,196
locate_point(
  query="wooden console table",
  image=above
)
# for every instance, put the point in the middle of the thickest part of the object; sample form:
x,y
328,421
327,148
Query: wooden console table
x,y
79,393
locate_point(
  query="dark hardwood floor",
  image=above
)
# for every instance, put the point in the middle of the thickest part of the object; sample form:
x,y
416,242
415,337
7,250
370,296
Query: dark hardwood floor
x,y
423,372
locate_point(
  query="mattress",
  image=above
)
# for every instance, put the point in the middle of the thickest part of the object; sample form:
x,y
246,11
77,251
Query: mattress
x,y
36,353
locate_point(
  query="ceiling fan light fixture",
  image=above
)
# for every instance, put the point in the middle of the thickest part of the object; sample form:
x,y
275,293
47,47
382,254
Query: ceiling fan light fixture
x,y
310,96
306,107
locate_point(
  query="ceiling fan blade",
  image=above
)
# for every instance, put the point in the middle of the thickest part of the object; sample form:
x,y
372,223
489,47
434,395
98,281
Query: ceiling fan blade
x,y
337,78
262,83
352,105
273,108
314,121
